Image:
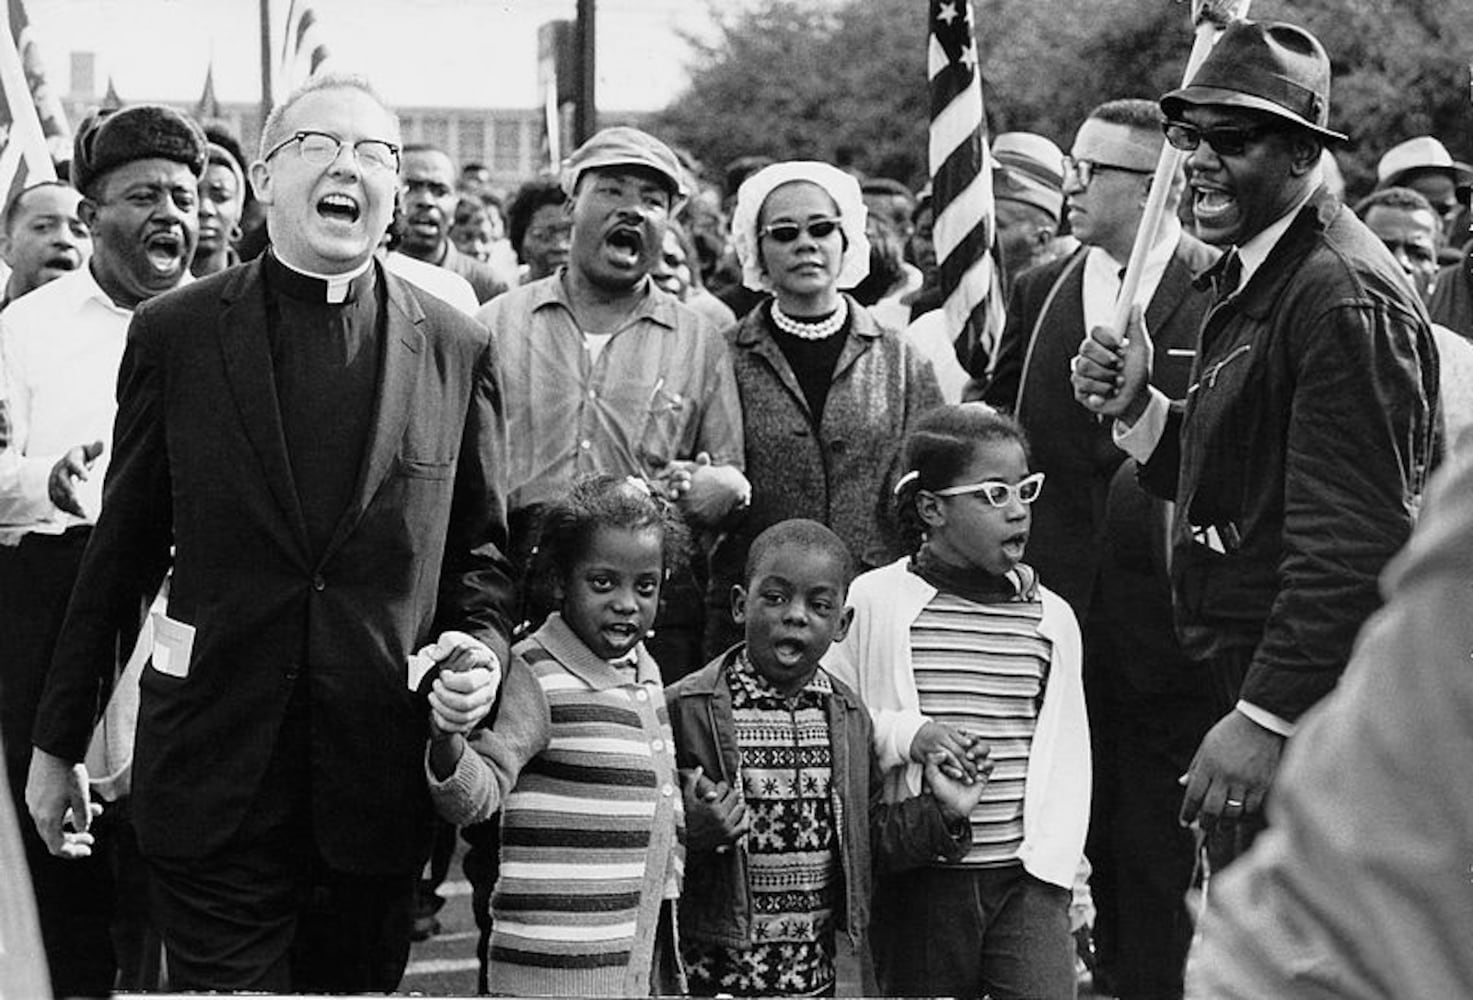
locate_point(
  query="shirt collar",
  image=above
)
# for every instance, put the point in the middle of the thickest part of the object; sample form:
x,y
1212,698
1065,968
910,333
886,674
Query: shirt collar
x,y
88,288
1157,257
653,305
1255,251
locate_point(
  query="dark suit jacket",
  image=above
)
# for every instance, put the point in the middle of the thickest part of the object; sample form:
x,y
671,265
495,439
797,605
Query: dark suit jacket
x,y
200,462
1072,519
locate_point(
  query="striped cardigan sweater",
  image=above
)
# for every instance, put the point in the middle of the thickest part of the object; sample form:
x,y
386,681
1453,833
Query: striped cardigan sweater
x,y
580,763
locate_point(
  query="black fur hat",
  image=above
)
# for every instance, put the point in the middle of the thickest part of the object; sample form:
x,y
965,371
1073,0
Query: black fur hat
x,y
138,132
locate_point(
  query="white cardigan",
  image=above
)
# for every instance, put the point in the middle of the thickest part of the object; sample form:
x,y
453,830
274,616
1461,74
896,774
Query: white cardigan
x,y
874,659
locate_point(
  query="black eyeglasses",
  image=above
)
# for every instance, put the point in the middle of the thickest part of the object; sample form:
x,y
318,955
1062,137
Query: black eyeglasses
x,y
1225,140
787,232
321,149
1083,171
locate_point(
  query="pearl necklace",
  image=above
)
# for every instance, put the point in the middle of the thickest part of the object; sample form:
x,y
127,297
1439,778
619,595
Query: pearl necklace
x,y
809,330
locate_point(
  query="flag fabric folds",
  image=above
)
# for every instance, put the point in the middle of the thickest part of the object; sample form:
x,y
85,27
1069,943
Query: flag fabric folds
x,y
304,50
961,188
24,156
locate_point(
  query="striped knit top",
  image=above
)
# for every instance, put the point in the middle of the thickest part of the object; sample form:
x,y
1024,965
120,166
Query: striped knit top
x,y
984,668
580,761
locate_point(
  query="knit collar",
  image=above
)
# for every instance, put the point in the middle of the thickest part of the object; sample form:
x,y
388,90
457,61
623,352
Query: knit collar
x,y
978,586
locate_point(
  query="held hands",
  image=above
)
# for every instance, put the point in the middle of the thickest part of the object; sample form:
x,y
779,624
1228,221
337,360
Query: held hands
x,y
962,756
705,492
56,796
71,468
1109,375
1231,772
715,815
465,689
956,798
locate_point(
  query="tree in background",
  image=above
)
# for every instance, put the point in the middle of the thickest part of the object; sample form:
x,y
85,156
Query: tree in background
x,y
845,81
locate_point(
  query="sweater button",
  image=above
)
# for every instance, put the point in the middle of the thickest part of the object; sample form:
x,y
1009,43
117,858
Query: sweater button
x,y
641,695
667,790
657,745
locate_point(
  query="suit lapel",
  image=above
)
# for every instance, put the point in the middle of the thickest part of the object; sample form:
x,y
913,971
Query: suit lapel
x,y
243,344
1175,286
402,348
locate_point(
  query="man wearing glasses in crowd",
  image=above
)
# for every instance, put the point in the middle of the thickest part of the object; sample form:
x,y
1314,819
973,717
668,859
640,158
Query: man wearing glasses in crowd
x,y
1299,456
321,446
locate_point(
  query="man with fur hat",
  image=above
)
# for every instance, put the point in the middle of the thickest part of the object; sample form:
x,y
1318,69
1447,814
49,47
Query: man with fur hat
x,y
1298,459
314,448
137,170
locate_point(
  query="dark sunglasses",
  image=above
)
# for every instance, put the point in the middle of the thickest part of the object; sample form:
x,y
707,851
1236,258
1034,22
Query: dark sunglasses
x,y
1225,140
787,232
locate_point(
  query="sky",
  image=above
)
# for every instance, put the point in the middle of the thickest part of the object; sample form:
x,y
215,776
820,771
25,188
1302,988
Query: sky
x,y
460,53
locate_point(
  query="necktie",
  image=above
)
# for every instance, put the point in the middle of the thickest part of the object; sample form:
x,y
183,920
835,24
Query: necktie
x,y
1230,275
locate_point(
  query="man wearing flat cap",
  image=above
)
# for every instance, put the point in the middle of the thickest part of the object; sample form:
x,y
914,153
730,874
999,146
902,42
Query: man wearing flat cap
x,y
604,372
1298,458
137,170
313,448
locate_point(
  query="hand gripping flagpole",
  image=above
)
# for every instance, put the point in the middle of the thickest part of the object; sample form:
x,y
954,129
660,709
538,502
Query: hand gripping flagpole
x,y
1210,17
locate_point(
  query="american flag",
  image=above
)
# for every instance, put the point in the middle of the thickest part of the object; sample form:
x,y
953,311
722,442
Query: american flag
x,y
303,51
961,188
24,158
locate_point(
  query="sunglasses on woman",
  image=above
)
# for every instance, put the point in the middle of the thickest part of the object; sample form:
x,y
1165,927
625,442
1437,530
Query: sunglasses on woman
x,y
787,232
999,493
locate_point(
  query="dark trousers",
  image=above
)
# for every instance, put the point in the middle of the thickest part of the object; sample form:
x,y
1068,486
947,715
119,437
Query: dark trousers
x,y
267,912
1142,858
75,899
972,932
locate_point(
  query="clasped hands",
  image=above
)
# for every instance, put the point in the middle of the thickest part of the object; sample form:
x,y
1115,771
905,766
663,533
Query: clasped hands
x,y
465,688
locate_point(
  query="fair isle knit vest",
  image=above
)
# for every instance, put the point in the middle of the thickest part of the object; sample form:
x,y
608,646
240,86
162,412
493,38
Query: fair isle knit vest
x,y
592,836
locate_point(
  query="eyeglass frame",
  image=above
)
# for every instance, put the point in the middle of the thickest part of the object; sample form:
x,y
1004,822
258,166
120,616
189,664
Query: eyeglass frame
x,y
1011,490
1212,134
800,228
302,134
1083,169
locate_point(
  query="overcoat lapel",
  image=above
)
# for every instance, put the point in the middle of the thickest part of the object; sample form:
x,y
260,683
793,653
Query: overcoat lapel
x,y
243,344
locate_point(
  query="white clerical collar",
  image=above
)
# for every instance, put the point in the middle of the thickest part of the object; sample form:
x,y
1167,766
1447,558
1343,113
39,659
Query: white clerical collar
x,y
337,284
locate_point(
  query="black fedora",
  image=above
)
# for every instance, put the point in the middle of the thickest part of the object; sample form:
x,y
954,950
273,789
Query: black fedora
x,y
1276,68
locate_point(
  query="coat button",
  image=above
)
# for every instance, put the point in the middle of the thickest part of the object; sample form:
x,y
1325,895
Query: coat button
x,y
837,447
318,583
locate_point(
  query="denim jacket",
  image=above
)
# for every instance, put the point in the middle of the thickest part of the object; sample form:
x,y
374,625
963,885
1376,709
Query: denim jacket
x,y
716,901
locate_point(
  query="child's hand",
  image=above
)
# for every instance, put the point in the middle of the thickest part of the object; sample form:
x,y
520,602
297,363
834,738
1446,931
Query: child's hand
x,y
956,798
960,751
715,815
465,689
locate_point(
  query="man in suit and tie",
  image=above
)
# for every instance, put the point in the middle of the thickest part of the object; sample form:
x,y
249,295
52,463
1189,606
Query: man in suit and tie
x,y
315,448
1099,541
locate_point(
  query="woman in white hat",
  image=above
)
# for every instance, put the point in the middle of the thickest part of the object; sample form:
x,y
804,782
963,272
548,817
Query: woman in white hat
x,y
827,392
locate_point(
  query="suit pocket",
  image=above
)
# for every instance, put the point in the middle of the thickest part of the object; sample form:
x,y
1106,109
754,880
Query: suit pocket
x,y
417,469
173,646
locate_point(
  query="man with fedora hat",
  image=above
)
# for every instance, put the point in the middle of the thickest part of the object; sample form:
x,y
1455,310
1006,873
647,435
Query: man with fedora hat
x,y
1423,164
137,170
1298,457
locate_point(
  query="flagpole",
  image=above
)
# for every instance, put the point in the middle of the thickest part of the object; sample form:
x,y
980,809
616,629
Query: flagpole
x,y
266,91
1210,18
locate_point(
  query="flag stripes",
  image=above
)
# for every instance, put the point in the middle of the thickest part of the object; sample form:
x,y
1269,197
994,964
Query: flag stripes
x,y
961,187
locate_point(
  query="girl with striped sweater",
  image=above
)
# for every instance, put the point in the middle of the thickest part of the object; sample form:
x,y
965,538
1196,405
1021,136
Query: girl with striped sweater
x,y
958,645
580,762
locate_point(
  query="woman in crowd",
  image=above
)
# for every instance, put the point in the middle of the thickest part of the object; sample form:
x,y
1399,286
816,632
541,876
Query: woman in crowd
x,y
222,191
827,393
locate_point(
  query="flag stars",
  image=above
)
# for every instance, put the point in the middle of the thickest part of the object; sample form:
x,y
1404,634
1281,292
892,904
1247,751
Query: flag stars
x,y
968,58
947,13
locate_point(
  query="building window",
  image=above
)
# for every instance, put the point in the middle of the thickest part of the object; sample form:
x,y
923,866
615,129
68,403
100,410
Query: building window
x,y
472,140
435,131
507,153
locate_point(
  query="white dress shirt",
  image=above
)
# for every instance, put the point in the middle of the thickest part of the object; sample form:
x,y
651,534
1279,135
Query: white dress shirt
x,y
60,348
